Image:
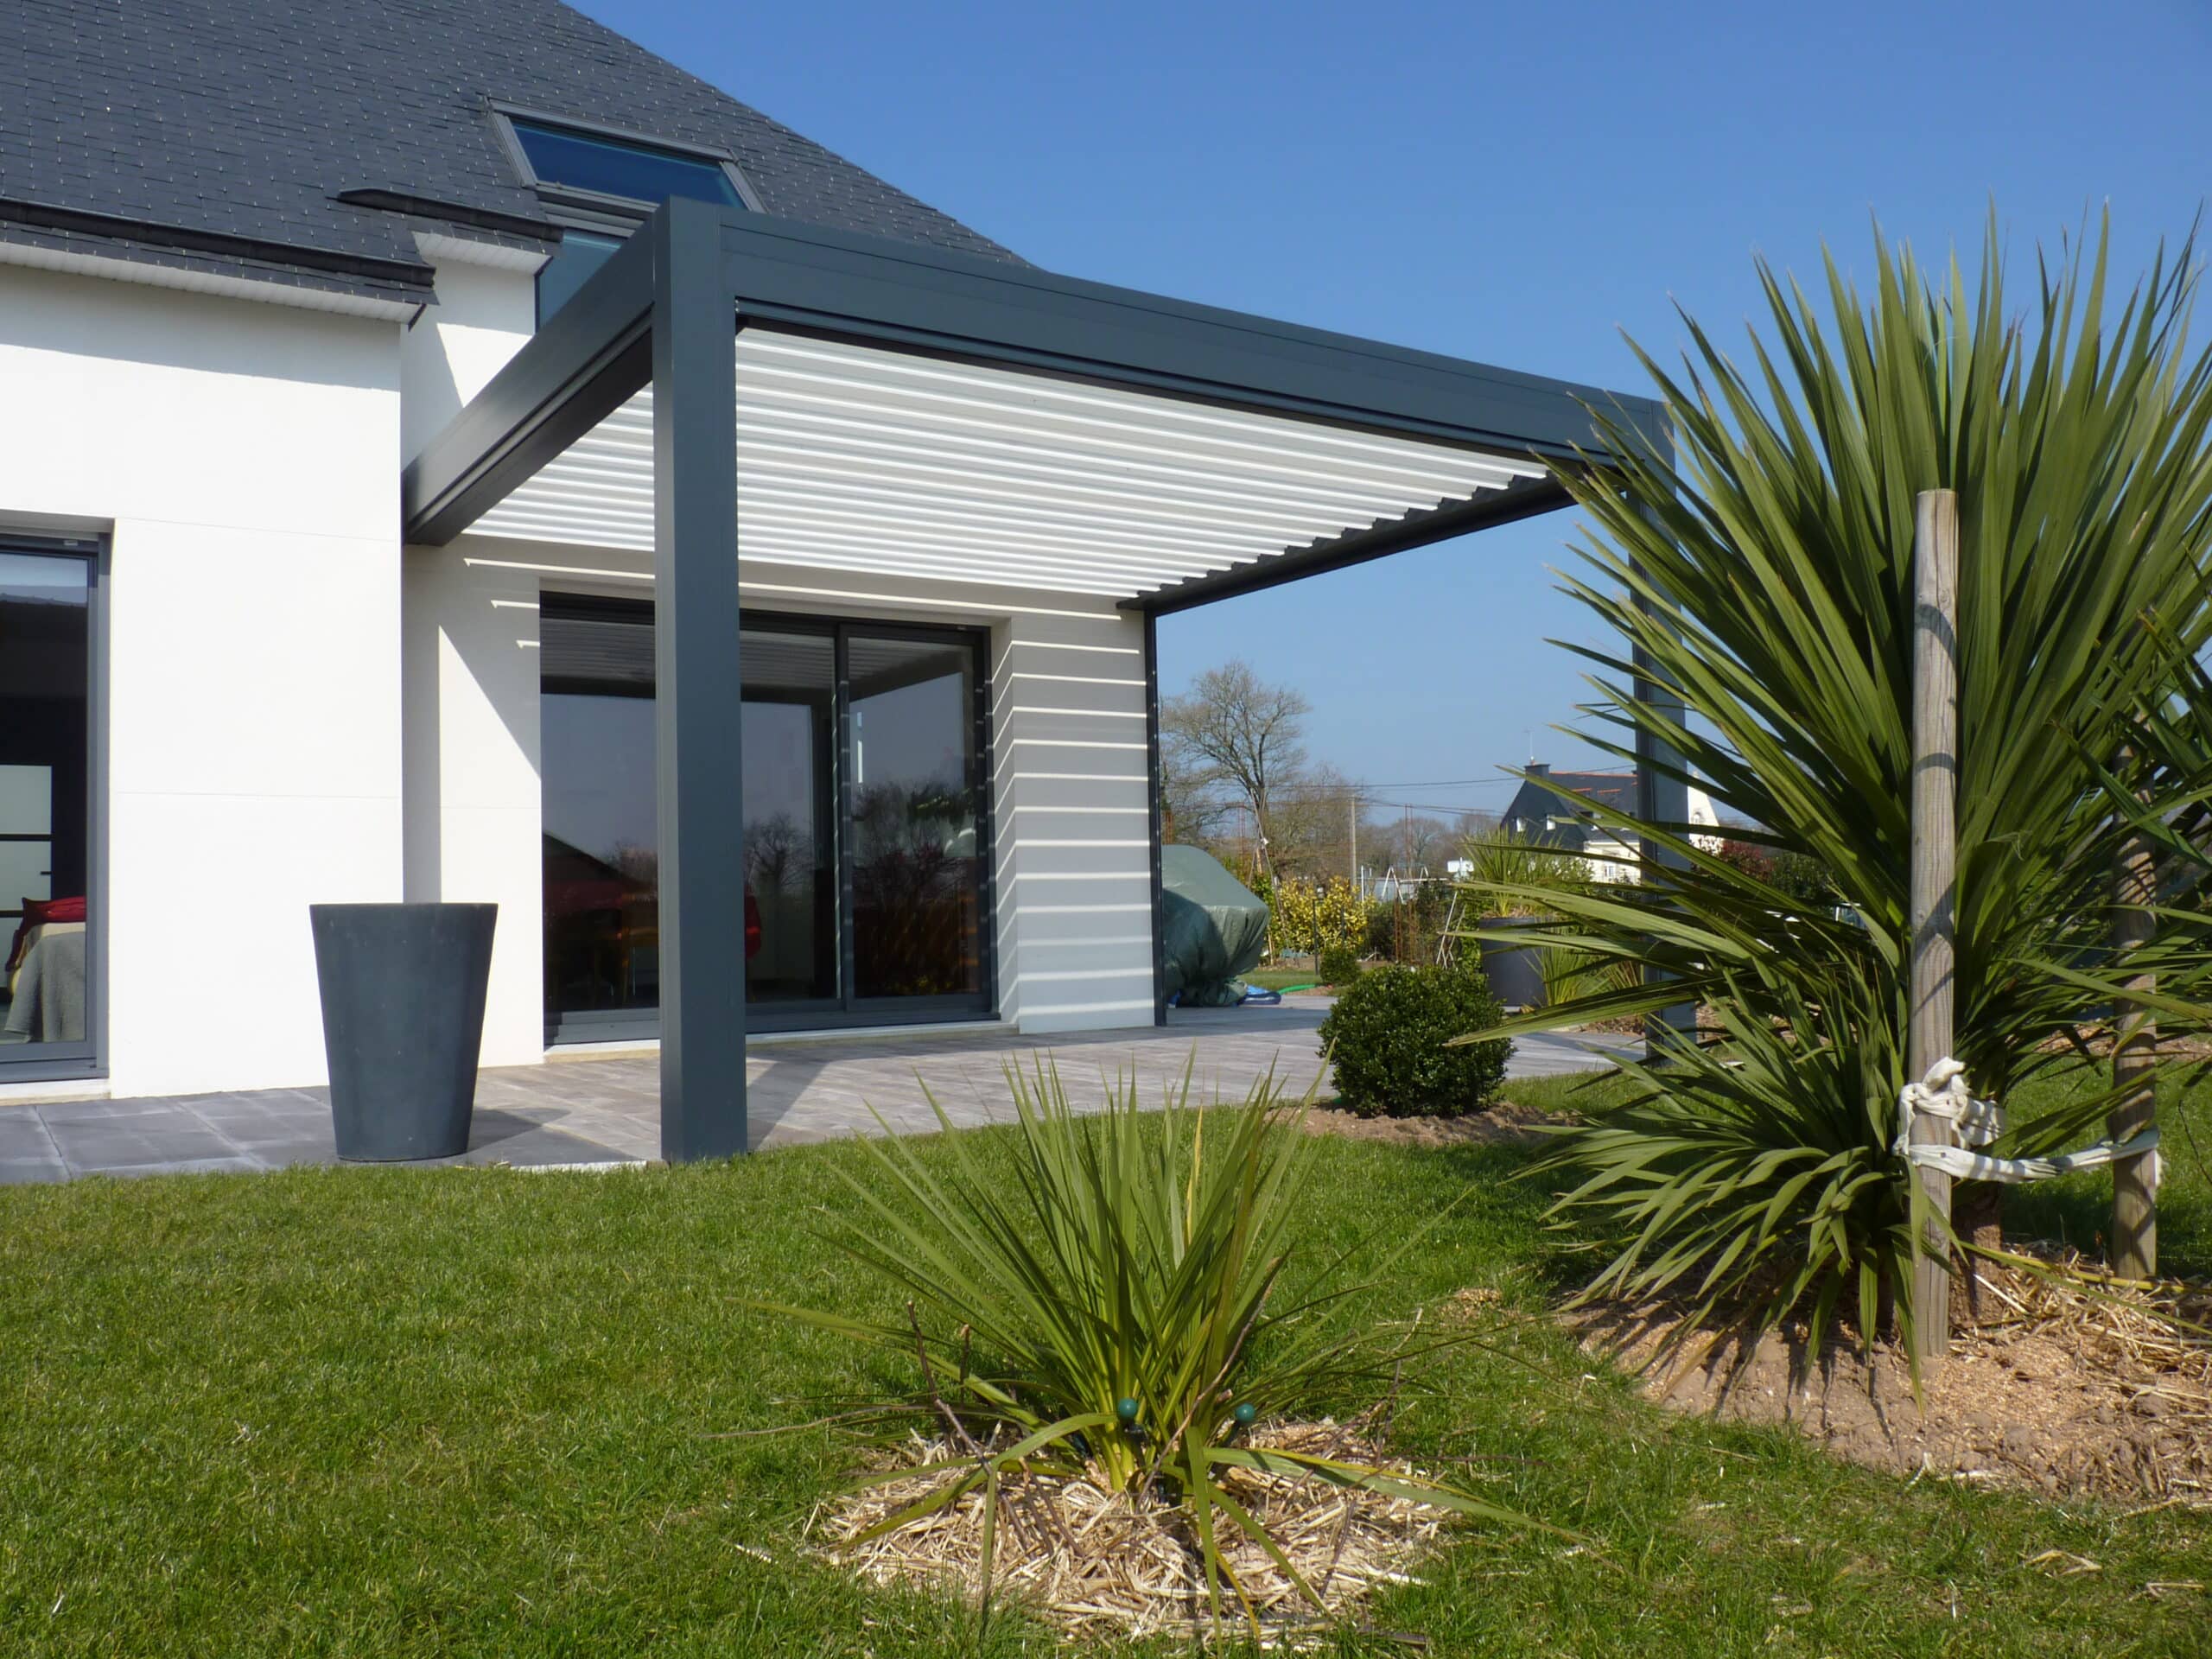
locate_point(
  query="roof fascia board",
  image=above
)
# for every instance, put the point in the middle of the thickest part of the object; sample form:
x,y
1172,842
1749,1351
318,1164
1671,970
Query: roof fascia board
x,y
911,294
582,365
186,277
399,274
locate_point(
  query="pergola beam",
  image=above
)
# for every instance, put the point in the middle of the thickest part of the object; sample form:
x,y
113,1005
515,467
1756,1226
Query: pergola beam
x,y
581,367
1523,499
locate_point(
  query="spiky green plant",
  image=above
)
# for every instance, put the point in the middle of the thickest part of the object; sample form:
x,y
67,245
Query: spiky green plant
x,y
1107,1304
1506,871
1763,574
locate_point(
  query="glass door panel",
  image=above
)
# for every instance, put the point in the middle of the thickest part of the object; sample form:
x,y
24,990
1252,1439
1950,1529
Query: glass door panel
x,y
600,832
917,868
46,686
790,844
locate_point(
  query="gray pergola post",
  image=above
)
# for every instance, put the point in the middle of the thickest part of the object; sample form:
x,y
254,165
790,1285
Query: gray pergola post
x,y
1662,797
701,693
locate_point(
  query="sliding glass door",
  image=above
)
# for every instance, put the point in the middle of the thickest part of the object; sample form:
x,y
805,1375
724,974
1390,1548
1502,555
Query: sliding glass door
x,y
917,874
48,980
866,894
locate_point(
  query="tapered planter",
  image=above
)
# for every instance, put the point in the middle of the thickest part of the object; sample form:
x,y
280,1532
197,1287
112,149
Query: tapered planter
x,y
403,1023
1516,972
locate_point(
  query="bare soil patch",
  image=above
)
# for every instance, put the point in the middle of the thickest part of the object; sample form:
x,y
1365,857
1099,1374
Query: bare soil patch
x,y
2065,1384
1504,1121
1102,1563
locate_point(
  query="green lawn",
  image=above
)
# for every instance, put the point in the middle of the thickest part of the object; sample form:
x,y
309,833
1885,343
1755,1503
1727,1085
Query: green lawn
x,y
1279,979
365,1411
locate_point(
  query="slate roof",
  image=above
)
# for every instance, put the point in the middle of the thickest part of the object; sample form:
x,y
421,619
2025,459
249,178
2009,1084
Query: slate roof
x,y
218,134
1532,804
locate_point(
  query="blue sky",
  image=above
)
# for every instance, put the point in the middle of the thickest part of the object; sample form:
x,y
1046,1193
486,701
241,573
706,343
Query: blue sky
x,y
1512,184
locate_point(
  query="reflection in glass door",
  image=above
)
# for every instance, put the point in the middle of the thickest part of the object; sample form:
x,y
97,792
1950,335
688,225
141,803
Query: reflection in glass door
x,y
599,819
790,845
47,981
864,885
917,876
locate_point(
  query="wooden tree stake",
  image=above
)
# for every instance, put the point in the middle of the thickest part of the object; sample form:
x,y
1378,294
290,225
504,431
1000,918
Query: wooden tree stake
x,y
2134,1181
1934,885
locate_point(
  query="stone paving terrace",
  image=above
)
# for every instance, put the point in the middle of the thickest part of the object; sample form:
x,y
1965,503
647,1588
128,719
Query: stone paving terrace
x,y
607,1108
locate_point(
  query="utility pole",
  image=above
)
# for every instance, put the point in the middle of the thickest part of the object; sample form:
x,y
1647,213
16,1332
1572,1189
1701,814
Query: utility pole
x,y
1354,803
1934,895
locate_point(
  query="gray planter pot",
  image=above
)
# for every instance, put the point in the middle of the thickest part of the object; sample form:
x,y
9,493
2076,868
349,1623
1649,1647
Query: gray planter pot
x,y
403,1023
1514,971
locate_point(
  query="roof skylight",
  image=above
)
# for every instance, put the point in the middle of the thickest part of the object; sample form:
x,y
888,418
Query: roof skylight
x,y
566,159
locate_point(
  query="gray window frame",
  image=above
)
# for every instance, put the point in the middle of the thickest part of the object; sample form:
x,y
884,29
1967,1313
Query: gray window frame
x,y
71,1062
594,210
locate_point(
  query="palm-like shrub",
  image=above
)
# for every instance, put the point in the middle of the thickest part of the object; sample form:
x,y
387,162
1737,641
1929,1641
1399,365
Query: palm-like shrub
x,y
1762,574
1122,1303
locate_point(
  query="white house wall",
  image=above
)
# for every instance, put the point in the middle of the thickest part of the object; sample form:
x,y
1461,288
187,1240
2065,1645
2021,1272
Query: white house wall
x,y
451,350
473,811
246,459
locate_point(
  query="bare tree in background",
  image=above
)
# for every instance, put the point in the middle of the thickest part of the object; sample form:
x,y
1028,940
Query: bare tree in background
x,y
1416,842
1310,832
1235,734
1197,812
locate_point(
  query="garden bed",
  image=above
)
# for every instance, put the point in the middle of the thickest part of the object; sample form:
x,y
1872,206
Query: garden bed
x,y
1102,1564
2063,1383
1502,1122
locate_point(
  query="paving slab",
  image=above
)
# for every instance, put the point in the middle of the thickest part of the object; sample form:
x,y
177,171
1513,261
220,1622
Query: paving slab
x,y
607,1108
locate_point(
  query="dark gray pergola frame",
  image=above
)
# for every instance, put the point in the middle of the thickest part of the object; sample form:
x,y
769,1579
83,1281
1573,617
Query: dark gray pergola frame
x,y
662,312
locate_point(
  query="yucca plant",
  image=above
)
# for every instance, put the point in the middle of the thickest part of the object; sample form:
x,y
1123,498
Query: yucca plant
x,y
1506,871
1753,1174
1123,1302
1762,574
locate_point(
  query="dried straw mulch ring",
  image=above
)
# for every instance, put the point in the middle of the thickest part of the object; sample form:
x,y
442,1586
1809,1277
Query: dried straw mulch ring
x,y
1100,1562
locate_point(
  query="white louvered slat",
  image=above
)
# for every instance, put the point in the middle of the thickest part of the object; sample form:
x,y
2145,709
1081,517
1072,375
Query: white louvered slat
x,y
854,458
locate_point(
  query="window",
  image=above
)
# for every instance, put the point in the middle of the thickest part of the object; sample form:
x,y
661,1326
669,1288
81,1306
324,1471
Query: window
x,y
611,167
599,188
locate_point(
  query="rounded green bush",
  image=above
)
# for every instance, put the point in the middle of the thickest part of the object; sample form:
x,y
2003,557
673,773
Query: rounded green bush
x,y
1338,965
1388,1032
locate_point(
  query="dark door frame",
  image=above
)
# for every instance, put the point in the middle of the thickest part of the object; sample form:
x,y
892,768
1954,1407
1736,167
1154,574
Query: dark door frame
x,y
64,1062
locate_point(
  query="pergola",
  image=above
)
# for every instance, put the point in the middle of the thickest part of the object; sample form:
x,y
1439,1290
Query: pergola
x,y
731,384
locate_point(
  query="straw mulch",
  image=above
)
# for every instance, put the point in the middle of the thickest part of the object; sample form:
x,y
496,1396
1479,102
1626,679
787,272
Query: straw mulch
x,y
1106,1563
2060,1379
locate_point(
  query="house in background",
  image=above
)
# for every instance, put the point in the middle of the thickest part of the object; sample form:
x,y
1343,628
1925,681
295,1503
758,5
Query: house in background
x,y
454,453
1543,811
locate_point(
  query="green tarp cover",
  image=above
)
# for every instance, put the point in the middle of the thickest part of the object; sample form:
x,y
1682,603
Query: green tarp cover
x,y
1214,928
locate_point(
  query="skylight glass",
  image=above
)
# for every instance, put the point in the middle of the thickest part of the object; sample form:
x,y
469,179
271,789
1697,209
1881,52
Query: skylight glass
x,y
612,166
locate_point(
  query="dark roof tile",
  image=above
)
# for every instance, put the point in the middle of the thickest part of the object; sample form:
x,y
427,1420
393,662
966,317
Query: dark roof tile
x,y
244,119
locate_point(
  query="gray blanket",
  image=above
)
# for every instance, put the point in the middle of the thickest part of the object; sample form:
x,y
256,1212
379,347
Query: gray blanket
x,y
49,1005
